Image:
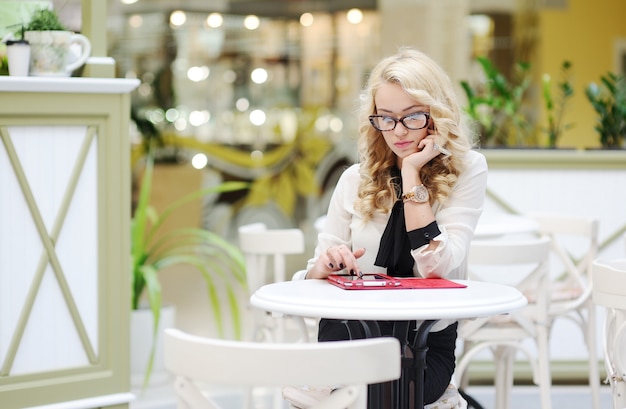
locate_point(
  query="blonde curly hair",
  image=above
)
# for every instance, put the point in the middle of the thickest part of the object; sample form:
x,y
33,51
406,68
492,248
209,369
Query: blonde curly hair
x,y
425,81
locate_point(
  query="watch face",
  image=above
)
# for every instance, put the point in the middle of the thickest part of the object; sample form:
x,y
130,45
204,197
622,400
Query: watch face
x,y
418,194
421,194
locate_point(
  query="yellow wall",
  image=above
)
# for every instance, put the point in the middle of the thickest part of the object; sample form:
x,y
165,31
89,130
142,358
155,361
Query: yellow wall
x,y
584,34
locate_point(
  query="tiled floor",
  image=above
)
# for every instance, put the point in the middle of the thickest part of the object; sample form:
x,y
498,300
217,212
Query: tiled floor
x,y
524,397
527,397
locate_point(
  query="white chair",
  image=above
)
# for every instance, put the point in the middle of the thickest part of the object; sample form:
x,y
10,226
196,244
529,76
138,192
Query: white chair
x,y
609,290
354,364
574,247
522,263
265,252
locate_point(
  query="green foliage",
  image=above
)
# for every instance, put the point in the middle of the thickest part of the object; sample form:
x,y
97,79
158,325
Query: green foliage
x,y
44,20
496,105
19,33
220,263
4,65
555,106
609,102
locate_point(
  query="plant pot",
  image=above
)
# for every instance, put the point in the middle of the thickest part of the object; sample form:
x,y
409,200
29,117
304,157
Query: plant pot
x,y
52,52
141,341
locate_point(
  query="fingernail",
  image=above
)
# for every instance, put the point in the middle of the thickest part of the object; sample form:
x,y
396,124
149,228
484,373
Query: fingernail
x,y
341,265
331,265
351,272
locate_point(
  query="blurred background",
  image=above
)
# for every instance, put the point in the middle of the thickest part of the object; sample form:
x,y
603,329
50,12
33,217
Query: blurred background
x,y
265,91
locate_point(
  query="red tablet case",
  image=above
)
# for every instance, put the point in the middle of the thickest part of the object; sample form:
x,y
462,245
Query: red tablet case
x,y
394,283
419,282
348,282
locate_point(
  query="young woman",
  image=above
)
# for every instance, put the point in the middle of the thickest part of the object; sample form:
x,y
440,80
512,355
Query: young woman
x,y
410,207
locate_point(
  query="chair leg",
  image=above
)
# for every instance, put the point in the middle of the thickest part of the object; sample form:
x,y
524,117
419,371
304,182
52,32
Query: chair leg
x,y
504,360
616,360
619,394
590,340
510,365
544,377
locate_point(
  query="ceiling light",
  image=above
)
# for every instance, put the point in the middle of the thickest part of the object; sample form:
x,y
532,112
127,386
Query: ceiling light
x,y
306,19
251,22
215,20
354,16
178,18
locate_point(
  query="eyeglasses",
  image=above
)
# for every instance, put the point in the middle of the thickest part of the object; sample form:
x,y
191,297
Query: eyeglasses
x,y
414,121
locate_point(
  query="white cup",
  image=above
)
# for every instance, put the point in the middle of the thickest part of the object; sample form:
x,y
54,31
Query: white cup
x,y
18,56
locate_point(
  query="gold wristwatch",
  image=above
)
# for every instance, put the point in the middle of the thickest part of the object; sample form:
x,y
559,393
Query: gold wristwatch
x,y
418,194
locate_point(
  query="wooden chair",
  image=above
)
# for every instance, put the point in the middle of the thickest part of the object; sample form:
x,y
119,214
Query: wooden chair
x,y
574,242
352,364
522,263
609,291
265,252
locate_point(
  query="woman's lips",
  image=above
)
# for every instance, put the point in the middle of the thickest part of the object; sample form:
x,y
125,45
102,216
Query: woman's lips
x,y
403,144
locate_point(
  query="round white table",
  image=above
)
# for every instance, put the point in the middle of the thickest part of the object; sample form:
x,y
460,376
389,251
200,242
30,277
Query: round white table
x,y
318,298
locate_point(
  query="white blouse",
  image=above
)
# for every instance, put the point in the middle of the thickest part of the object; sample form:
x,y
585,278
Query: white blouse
x,y
457,219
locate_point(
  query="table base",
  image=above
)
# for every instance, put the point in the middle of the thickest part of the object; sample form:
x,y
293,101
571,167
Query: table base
x,y
413,362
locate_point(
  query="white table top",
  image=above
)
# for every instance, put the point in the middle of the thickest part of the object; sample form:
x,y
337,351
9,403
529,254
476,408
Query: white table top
x,y
318,298
493,225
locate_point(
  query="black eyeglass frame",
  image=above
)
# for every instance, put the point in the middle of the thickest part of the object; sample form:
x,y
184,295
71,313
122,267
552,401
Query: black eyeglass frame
x,y
395,121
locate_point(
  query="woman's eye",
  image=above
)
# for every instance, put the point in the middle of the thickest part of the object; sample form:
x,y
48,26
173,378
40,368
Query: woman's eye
x,y
414,118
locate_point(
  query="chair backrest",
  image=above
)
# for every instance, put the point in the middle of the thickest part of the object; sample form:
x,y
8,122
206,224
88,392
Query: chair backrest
x,y
260,245
519,263
488,257
226,362
574,247
609,283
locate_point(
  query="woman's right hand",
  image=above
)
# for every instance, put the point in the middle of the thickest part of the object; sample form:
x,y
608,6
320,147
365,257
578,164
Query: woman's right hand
x,y
335,259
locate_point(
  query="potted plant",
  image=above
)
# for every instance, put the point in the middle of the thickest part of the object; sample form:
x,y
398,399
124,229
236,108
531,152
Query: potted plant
x,y
50,42
214,257
496,105
609,102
